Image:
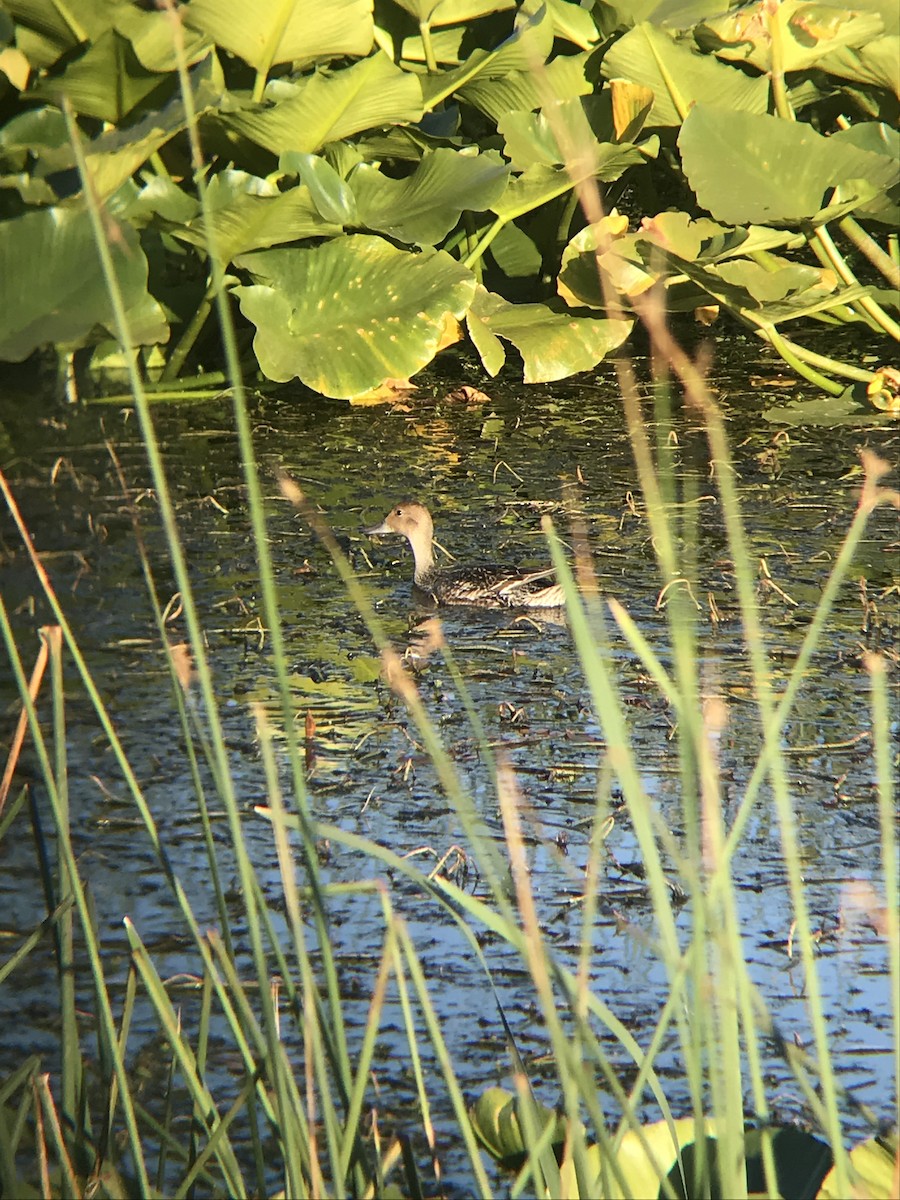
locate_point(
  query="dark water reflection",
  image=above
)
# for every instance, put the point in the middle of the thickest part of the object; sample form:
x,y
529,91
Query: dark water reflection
x,y
488,472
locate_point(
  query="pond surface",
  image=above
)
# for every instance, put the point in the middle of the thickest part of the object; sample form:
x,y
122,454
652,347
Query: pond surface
x,y
489,471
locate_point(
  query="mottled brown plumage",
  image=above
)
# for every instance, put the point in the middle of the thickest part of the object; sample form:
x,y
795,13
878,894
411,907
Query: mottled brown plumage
x,y
482,584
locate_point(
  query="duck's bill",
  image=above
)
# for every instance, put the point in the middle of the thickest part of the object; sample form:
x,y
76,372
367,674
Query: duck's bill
x,y
382,528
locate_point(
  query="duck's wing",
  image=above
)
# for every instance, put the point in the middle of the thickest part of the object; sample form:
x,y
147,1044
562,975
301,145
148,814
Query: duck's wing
x,y
513,581
499,586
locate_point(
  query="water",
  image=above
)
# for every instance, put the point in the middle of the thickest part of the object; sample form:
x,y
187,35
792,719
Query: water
x,y
488,472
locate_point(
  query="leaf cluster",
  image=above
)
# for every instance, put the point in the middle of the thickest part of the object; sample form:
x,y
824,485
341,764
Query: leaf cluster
x,y
369,183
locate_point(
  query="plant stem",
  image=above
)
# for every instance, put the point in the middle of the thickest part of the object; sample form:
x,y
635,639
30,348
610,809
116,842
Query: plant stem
x,y
786,350
276,32
176,359
865,304
776,69
828,364
428,47
866,244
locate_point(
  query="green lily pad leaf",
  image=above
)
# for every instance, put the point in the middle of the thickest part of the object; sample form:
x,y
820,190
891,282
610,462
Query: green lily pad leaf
x,y
159,197
531,189
332,197
515,253
34,133
250,213
497,94
324,108
425,206
150,35
679,77
801,1160
782,172
45,30
579,127
808,33
778,279
67,298
347,315
108,81
849,408
874,1167
114,156
277,33
452,12
669,245
874,137
874,64
574,23
579,282
553,345
529,43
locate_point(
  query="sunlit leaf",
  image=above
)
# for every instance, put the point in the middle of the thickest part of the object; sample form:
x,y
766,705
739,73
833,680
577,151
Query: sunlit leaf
x,y
876,63
516,254
114,156
531,189
262,34
807,32
424,207
597,247
345,316
332,197
327,107
679,77
495,1119
574,23
249,213
496,94
553,345
47,29
452,12
153,41
107,81
782,171
579,130
874,1163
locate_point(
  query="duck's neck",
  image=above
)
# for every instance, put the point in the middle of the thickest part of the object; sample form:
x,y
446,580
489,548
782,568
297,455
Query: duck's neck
x,y
424,558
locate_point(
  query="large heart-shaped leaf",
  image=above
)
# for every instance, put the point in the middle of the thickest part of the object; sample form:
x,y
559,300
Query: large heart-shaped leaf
x,y
347,315
262,34
783,169
114,156
679,77
327,107
64,300
426,205
496,94
108,81
249,213
553,345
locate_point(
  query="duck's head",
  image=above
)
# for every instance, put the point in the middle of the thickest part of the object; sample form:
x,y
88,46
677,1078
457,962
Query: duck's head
x,y
411,520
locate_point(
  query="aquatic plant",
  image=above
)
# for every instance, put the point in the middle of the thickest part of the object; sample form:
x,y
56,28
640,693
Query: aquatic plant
x,y
374,185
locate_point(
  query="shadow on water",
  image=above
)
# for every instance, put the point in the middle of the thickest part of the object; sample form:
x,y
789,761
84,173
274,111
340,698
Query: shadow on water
x,y
488,472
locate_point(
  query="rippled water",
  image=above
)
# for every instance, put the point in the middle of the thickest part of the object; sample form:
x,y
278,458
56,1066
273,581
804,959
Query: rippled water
x,y
488,471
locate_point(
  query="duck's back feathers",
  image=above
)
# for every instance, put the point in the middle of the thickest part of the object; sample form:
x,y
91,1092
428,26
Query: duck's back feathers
x,y
481,584
493,587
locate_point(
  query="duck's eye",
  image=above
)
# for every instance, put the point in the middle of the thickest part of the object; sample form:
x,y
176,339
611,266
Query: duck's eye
x,y
398,512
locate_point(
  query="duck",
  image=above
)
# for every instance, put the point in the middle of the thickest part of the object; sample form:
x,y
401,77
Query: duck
x,y
483,584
